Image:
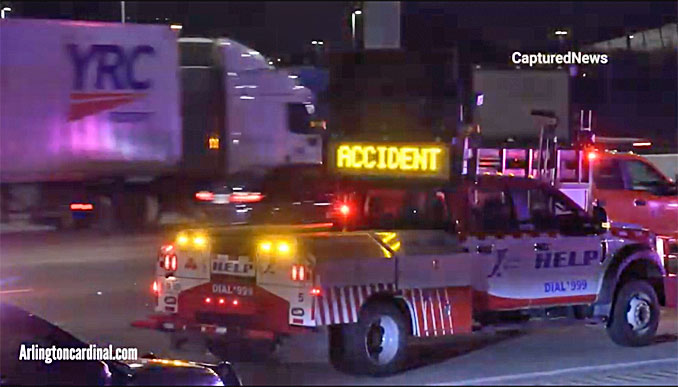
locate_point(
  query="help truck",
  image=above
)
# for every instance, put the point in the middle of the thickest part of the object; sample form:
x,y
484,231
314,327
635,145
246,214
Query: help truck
x,y
423,255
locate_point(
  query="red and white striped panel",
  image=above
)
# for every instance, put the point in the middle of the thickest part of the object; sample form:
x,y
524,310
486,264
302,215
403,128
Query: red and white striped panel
x,y
340,305
439,311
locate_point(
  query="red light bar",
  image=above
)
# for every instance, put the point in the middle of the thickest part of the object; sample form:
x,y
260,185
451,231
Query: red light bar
x,y
82,207
246,197
205,196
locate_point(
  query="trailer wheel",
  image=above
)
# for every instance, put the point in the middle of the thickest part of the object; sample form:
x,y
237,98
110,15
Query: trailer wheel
x,y
635,316
377,343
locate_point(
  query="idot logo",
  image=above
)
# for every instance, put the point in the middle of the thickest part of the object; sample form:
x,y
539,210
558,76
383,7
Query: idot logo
x,y
104,76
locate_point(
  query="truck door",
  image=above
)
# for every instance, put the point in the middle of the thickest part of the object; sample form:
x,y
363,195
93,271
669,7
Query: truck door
x,y
560,262
654,198
609,190
502,261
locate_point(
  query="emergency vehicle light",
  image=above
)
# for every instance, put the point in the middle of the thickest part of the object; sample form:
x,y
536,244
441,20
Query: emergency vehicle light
x,y
199,241
265,247
315,291
283,248
155,287
345,209
182,239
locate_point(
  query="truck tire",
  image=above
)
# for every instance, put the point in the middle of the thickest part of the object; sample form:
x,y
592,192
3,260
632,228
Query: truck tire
x,y
377,344
635,315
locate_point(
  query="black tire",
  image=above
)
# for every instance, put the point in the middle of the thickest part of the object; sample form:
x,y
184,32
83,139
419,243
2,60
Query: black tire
x,y
636,304
380,330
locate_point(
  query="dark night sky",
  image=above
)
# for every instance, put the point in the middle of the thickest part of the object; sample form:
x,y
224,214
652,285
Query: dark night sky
x,y
283,27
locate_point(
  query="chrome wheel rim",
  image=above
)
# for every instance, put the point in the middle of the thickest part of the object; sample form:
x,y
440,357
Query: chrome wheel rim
x,y
381,341
639,313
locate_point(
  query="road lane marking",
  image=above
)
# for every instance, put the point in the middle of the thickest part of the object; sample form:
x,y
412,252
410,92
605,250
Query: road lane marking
x,y
504,378
14,291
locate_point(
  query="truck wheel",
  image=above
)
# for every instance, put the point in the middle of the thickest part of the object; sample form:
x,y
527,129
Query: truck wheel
x,y
377,343
635,316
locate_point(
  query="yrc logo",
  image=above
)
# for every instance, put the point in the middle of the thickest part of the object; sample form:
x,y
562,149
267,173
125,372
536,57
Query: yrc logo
x,y
105,70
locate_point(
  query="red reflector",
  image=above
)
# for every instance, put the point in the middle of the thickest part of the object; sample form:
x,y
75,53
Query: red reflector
x,y
235,302
81,207
208,300
155,286
204,196
246,197
315,291
222,301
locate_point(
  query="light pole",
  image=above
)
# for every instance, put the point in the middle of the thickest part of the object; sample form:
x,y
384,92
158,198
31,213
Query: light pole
x,y
355,13
122,11
4,11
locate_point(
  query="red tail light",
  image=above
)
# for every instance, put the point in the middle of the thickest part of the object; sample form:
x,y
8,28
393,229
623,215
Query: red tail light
x,y
205,196
81,207
300,273
169,262
246,197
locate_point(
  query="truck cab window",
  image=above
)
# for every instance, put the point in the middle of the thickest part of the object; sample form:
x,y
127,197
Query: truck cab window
x,y
299,117
399,209
642,177
607,175
538,210
491,211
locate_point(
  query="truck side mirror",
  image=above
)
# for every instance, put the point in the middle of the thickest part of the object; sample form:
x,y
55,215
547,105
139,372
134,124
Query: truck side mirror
x,y
600,219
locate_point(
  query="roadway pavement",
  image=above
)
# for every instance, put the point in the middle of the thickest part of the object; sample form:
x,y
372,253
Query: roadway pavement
x,y
94,286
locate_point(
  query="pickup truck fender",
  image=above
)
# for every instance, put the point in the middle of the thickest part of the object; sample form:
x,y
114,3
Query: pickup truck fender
x,y
631,261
